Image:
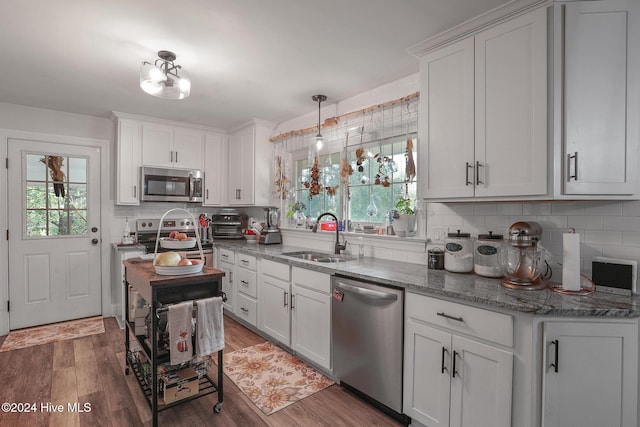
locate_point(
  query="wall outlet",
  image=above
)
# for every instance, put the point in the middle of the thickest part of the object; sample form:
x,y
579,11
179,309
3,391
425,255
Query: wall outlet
x,y
439,234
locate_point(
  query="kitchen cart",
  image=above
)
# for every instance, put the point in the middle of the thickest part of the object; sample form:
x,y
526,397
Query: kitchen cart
x,y
159,291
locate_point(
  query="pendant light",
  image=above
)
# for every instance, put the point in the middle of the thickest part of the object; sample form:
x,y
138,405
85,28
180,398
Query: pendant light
x,y
165,79
319,139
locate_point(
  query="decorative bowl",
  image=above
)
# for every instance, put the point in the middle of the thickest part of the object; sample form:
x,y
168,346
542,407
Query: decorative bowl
x,y
177,244
178,270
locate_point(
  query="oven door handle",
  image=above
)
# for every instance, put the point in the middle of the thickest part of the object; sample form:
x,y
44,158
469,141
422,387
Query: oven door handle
x,y
371,294
192,184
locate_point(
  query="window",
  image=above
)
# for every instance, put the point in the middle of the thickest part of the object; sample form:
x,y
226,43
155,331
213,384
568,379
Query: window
x,y
56,195
375,185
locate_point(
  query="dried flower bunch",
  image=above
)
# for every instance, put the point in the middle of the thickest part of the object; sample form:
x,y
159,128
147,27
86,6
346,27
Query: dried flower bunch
x,y
314,186
281,181
410,168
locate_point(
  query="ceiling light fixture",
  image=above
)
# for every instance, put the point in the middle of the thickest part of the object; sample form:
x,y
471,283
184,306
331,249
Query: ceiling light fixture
x,y
319,139
165,79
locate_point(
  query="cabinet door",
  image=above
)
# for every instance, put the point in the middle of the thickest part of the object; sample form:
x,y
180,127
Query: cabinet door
x,y
511,107
129,162
273,316
157,145
228,287
241,167
427,373
446,122
594,377
481,385
311,325
601,153
214,186
187,148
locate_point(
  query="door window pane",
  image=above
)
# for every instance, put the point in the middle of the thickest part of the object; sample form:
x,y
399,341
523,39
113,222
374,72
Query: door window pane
x,y
55,195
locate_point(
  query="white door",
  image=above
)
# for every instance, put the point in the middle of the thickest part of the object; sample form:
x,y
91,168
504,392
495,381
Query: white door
x,y
274,316
54,235
447,122
187,148
311,325
511,107
481,385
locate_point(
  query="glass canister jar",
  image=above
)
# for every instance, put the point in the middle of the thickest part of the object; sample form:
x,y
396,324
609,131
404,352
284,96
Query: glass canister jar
x,y
486,260
458,253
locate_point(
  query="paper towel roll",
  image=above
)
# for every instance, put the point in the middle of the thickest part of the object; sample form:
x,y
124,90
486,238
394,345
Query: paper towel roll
x,y
571,262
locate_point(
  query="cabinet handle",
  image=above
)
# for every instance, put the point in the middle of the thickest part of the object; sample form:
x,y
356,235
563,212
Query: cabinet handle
x,y
207,192
467,182
443,368
135,191
455,354
244,282
448,316
244,309
286,300
478,165
231,278
171,156
176,157
575,166
244,261
292,300
238,194
225,256
555,364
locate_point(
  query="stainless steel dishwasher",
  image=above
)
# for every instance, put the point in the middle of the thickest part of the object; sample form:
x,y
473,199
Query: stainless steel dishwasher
x,y
367,331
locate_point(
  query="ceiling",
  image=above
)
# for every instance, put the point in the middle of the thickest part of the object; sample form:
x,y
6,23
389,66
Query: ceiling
x,y
247,58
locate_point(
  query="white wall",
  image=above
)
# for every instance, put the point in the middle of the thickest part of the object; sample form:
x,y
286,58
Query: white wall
x,y
55,126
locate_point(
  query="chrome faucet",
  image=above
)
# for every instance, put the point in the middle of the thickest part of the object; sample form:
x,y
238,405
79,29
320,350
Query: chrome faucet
x,y
338,246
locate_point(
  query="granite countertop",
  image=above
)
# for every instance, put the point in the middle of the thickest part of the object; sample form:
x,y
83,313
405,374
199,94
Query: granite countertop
x,y
470,288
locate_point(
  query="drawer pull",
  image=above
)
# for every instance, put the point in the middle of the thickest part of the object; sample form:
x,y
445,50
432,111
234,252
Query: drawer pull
x,y
246,310
445,315
244,282
244,261
286,302
555,364
455,353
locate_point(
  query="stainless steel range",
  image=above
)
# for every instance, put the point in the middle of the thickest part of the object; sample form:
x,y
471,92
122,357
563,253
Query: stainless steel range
x,y
147,233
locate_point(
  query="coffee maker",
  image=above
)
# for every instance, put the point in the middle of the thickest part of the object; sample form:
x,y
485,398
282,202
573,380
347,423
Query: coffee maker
x,y
271,235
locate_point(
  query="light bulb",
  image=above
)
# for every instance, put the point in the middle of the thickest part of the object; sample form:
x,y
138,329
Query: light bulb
x,y
319,142
156,74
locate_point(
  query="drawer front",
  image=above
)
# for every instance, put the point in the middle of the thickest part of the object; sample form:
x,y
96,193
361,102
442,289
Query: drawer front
x,y
246,261
311,279
476,322
246,282
227,256
275,269
247,309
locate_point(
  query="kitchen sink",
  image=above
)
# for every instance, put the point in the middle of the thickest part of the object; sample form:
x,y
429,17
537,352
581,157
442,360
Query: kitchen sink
x,y
323,257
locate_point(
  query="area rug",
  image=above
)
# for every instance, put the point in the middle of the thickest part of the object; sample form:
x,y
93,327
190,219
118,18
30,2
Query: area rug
x,y
46,334
272,378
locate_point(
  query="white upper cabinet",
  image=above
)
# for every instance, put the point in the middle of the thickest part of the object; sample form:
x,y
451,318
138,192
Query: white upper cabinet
x,y
250,181
129,152
171,146
483,110
601,115
214,169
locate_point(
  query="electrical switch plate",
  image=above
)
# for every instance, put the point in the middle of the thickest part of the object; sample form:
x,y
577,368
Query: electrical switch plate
x,y
439,234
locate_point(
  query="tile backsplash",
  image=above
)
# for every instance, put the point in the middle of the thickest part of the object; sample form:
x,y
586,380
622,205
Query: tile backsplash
x,y
606,228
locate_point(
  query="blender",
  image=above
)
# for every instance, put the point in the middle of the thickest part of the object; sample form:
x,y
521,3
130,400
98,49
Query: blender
x,y
525,264
271,235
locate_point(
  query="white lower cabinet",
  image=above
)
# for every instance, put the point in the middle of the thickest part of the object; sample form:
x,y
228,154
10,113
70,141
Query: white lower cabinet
x,y
590,376
295,308
246,287
226,263
450,378
119,288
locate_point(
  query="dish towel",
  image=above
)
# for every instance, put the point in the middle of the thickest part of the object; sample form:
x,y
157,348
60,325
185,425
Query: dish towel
x,y
179,324
210,327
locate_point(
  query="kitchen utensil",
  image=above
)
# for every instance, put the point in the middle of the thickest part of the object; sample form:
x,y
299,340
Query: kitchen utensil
x,y
458,255
485,255
524,263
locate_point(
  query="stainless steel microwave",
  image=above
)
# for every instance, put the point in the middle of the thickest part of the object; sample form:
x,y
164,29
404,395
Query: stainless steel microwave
x,y
170,185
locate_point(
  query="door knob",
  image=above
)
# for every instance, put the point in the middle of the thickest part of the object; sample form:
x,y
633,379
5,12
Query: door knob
x,y
94,241
94,229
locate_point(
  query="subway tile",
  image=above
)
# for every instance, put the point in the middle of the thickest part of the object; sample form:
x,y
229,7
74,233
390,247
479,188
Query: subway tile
x,y
622,252
625,223
485,209
631,238
585,222
460,208
603,237
509,208
499,221
536,208
452,220
567,208
603,208
631,208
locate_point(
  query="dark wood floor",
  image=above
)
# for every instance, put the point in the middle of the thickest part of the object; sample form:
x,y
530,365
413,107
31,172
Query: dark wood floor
x,y
91,370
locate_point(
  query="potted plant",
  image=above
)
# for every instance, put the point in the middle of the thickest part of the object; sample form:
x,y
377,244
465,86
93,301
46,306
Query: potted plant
x,y
295,215
404,217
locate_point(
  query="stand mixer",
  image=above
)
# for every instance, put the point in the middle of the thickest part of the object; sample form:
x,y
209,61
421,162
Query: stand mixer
x,y
525,264
271,235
